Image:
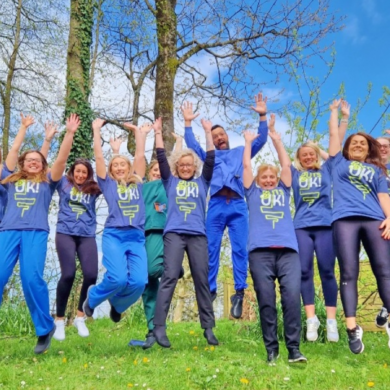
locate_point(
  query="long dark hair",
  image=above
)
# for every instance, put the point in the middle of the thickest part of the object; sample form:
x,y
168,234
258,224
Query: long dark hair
x,y
89,186
373,156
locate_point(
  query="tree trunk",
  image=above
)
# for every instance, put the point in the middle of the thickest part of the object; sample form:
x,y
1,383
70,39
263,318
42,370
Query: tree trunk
x,y
6,94
77,76
167,65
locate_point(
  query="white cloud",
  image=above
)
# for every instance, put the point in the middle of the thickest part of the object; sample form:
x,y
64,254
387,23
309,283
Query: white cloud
x,y
352,30
370,9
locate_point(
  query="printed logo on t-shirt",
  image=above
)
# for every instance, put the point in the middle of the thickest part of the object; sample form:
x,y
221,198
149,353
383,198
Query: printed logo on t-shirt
x,y
126,195
184,190
360,175
22,188
308,182
270,199
77,201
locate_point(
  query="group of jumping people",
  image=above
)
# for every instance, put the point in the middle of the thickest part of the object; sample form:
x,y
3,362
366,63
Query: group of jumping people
x,y
339,204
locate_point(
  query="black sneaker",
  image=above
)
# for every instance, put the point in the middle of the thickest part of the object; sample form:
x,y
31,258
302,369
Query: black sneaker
x,y
88,311
295,356
150,340
237,301
114,315
160,334
355,339
381,318
272,356
43,343
210,337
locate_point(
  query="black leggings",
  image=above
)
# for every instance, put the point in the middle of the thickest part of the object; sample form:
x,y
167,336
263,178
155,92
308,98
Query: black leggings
x,y
86,249
348,233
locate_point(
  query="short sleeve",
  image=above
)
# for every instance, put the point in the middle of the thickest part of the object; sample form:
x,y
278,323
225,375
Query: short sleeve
x,y
382,183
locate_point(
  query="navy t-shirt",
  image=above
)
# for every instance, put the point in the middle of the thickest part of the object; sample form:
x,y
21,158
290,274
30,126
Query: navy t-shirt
x,y
28,203
355,188
125,203
77,214
312,196
270,222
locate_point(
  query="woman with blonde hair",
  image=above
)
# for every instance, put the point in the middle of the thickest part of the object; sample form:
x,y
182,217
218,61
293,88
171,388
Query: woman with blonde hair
x,y
311,183
123,242
24,229
185,231
273,248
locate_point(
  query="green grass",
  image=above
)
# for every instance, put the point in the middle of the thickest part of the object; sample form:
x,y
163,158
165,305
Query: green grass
x,y
104,361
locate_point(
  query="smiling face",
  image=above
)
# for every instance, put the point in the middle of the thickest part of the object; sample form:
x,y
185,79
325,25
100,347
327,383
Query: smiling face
x,y
120,168
308,157
358,148
154,172
186,167
220,138
33,163
80,174
267,179
384,149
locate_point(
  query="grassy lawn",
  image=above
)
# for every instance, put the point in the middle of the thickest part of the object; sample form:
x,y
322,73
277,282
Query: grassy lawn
x,y
104,361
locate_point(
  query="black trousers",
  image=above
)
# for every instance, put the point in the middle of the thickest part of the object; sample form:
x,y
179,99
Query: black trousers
x,y
196,248
266,265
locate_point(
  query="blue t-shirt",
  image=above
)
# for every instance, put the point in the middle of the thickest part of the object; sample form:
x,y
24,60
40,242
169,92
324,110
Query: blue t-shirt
x,y
28,203
3,201
125,203
77,214
355,188
312,196
186,205
270,222
388,177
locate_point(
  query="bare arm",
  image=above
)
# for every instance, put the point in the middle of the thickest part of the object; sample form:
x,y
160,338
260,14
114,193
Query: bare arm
x,y
246,159
178,142
334,139
12,157
345,112
101,171
284,159
51,129
157,126
58,168
384,200
115,144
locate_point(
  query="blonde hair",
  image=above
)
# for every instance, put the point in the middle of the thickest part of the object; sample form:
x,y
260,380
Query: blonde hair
x,y
385,138
21,174
264,167
312,145
175,157
131,177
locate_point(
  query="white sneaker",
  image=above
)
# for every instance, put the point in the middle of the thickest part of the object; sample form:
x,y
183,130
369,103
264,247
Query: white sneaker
x,y
59,334
79,324
332,333
388,331
312,327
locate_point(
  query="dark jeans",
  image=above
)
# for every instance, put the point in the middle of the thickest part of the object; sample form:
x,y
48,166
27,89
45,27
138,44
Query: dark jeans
x,y
266,265
348,233
196,248
86,250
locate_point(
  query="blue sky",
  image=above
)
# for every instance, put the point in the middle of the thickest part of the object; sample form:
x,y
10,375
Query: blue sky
x,y
362,56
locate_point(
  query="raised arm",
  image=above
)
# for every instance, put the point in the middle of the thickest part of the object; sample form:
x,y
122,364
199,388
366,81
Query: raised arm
x,y
51,129
12,157
115,144
246,159
178,147
189,136
165,169
58,168
345,112
208,166
261,108
334,139
140,134
97,125
284,159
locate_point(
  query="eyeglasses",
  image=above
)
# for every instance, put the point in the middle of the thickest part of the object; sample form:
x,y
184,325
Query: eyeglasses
x,y
37,160
384,146
182,166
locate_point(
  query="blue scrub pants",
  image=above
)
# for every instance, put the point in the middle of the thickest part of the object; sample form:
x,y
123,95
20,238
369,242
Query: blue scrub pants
x,y
231,213
124,258
30,246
